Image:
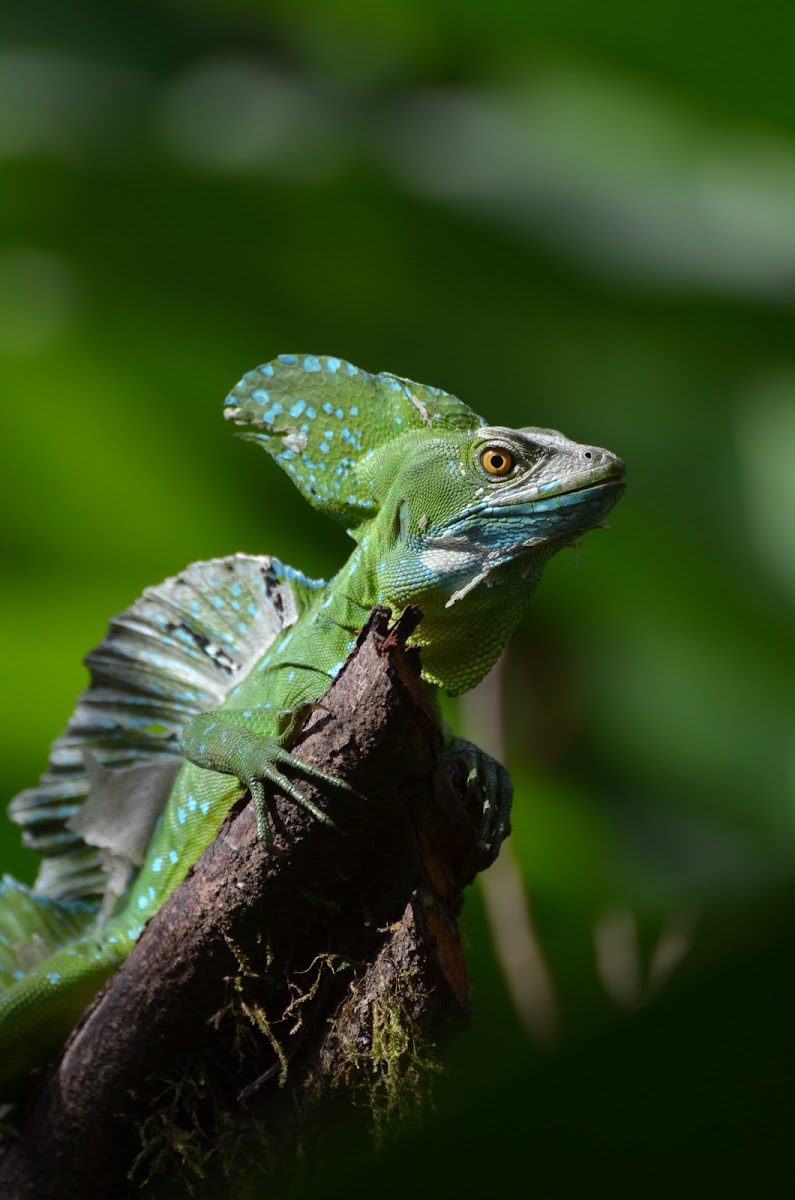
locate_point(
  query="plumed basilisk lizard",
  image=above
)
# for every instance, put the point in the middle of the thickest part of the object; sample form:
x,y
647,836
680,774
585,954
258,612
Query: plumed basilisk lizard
x,y
191,691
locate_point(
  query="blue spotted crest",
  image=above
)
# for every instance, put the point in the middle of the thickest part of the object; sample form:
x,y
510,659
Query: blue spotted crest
x,y
178,650
321,417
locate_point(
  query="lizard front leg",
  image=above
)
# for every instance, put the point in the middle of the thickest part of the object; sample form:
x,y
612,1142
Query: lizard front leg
x,y
490,784
224,742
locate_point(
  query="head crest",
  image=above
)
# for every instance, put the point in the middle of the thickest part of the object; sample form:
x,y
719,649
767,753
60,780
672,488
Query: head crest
x,y
321,418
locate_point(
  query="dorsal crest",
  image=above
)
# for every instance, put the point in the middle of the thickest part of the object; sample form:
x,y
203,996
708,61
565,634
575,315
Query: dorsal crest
x,y
321,417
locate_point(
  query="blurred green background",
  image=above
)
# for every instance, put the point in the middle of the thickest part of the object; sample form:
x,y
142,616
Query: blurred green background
x,y
573,215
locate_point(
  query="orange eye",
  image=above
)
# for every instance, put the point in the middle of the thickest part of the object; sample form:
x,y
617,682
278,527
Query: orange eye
x,y
497,461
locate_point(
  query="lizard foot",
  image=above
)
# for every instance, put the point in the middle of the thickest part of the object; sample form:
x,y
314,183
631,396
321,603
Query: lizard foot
x,y
490,785
257,760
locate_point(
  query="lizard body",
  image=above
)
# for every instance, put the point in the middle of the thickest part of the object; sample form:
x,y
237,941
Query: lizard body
x,y
192,690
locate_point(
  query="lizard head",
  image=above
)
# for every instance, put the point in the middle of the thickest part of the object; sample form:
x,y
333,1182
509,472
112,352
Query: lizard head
x,y
466,507
449,512
470,521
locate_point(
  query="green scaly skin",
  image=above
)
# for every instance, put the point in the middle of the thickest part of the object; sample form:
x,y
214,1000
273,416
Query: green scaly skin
x,y
433,527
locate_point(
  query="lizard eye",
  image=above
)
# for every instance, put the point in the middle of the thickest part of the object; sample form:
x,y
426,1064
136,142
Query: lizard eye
x,y
496,461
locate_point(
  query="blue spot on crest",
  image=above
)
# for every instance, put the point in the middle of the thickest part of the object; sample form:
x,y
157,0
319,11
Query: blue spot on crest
x,y
260,395
288,359
332,364
351,369
311,363
266,369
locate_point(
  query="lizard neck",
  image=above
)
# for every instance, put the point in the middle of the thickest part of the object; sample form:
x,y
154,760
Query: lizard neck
x,y
457,653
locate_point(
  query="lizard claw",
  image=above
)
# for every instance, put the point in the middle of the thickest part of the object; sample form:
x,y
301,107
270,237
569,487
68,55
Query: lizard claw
x,y
490,785
270,771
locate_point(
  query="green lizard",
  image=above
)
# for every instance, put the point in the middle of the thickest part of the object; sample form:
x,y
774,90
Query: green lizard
x,y
191,691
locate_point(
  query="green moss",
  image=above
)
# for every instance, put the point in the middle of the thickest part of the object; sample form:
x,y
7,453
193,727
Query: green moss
x,y
396,1071
174,1145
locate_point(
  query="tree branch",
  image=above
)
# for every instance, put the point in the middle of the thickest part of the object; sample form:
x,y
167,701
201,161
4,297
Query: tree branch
x,y
268,982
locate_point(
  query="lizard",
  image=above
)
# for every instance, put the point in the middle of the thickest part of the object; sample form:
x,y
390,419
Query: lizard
x,y
194,691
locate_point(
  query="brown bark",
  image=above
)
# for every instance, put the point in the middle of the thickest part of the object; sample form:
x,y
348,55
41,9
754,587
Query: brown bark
x,y
263,985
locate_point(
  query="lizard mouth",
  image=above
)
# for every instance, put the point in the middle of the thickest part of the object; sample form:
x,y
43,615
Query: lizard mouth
x,y
611,474
590,498
616,484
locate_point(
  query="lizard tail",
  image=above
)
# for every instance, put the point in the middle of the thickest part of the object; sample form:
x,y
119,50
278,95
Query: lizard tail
x,y
38,1011
35,932
32,926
